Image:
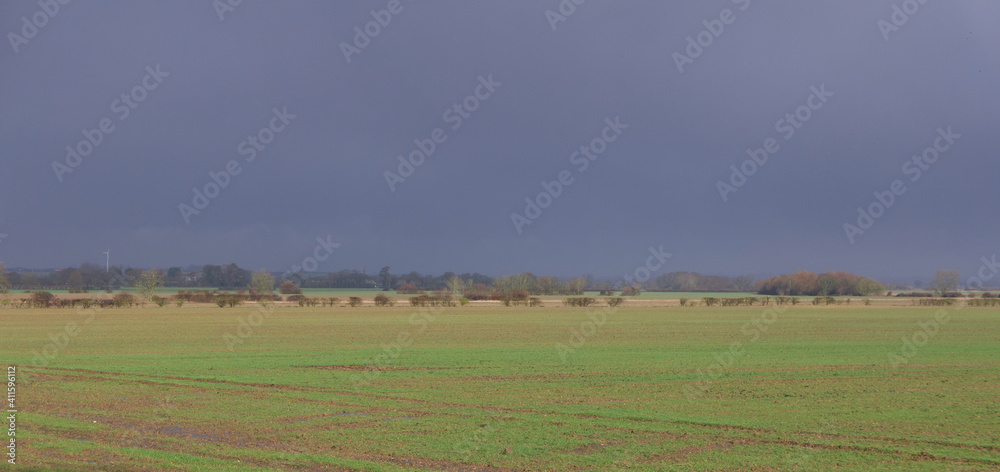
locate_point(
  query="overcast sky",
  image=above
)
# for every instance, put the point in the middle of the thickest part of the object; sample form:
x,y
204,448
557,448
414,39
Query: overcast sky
x,y
340,108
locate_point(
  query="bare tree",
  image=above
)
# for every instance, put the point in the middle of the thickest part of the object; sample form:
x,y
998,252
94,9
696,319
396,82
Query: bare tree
x,y
385,276
4,283
148,281
945,281
262,282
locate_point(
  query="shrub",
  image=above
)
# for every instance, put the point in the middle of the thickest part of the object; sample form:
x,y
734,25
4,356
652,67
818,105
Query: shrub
x,y
988,295
123,299
221,302
296,298
684,301
334,301
233,301
304,300
354,301
465,301
512,295
477,292
178,302
159,301
983,302
615,301
607,293
579,301
868,301
631,291
42,299
85,303
710,301
383,300
534,301
824,300
289,288
407,289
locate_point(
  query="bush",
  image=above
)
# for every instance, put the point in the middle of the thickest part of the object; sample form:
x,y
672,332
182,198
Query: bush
x,y
521,295
631,291
988,295
221,302
439,299
304,300
233,301
619,300
200,296
289,288
463,301
868,301
477,292
296,298
334,301
934,302
383,300
159,301
684,301
178,302
42,299
409,289
354,301
607,293
983,302
579,301
824,300
123,299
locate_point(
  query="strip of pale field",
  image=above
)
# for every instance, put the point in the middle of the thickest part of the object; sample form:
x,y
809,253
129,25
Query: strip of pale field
x,y
493,388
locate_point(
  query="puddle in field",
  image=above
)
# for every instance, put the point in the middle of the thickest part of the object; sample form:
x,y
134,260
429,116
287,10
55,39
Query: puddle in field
x,y
399,418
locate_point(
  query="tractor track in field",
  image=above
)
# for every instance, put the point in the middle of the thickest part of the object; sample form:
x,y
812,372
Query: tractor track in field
x,y
755,431
156,436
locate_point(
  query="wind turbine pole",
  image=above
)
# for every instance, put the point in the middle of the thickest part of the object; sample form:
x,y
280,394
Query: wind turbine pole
x,y
107,262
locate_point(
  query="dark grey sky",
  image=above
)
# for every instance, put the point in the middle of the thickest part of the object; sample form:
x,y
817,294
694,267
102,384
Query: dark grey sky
x,y
656,184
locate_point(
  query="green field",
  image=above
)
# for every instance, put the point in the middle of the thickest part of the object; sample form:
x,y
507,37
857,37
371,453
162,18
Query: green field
x,y
486,388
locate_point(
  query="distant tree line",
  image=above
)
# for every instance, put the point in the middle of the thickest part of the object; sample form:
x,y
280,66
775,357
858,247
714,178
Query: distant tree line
x,y
695,282
809,283
474,286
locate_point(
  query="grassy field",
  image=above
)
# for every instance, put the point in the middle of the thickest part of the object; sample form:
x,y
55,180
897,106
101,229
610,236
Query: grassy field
x,y
498,389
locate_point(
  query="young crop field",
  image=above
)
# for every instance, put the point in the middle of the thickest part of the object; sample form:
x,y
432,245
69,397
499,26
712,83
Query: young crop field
x,y
492,388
